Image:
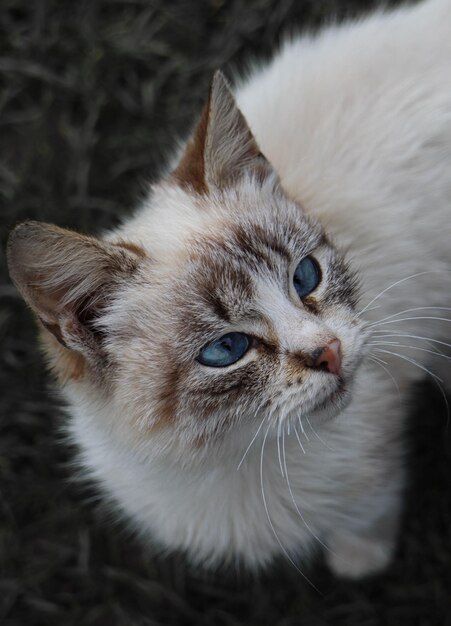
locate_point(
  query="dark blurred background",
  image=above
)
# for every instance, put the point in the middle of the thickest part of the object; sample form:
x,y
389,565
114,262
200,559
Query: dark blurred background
x,y
92,94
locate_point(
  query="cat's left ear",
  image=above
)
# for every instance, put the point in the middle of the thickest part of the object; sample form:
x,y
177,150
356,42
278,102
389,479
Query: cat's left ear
x,y
222,147
67,279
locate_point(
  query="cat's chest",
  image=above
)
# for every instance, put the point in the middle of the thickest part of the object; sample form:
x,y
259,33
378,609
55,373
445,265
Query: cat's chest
x,y
288,492
281,494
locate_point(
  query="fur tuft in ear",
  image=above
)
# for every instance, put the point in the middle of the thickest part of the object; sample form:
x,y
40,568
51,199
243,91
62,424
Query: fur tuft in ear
x,y
222,146
67,278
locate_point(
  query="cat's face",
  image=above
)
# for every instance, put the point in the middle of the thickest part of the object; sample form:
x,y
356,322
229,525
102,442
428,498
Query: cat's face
x,y
230,309
255,318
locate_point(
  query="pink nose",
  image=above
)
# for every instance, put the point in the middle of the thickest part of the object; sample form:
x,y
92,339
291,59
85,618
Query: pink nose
x,y
328,358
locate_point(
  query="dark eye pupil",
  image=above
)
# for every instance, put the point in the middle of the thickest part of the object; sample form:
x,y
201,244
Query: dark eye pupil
x,y
306,277
224,351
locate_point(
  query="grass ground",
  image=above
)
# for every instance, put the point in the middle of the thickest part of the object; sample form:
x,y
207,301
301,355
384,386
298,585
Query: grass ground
x,y
91,95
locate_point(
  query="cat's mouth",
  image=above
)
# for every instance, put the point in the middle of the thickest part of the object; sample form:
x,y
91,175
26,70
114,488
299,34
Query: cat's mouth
x,y
334,400
326,403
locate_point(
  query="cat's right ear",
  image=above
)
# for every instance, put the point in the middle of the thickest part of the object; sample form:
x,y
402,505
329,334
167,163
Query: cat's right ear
x,y
222,146
67,279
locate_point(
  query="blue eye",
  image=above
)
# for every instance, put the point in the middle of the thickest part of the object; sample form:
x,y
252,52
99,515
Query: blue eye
x,y
224,351
306,277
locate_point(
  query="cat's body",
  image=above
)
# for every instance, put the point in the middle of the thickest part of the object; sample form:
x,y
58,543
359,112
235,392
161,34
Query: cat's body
x,y
357,124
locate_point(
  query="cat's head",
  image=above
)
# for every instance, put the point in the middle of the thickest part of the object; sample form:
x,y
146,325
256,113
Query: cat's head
x,y
221,303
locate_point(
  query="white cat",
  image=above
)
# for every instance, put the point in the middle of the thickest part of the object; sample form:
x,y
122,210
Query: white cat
x,y
226,387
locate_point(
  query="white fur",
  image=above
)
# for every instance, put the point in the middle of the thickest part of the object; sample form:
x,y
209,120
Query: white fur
x,y
357,122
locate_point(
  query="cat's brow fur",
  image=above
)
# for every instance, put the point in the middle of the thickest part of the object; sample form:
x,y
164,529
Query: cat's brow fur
x,y
338,149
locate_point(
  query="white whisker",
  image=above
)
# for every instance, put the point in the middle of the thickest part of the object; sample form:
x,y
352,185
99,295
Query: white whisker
x,y
398,282
373,308
297,507
299,441
250,445
278,447
302,428
317,436
381,364
408,319
283,452
435,378
265,504
417,308
373,357
409,336
412,361
401,345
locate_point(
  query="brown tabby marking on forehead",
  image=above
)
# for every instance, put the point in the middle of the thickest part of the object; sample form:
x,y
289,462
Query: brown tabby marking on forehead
x,y
223,269
258,248
224,287
272,242
216,304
